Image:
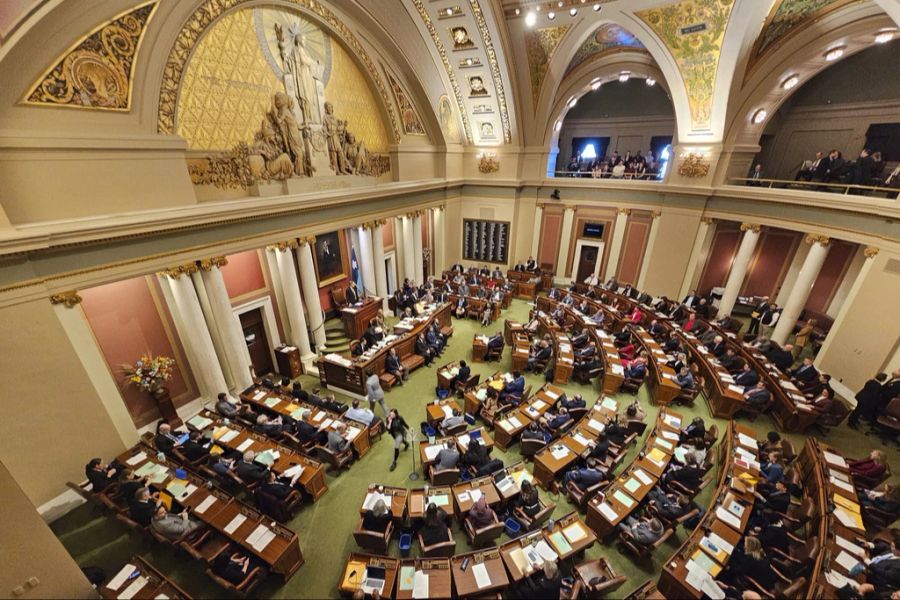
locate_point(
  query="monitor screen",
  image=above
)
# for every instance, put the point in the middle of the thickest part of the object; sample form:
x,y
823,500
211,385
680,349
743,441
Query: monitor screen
x,y
593,230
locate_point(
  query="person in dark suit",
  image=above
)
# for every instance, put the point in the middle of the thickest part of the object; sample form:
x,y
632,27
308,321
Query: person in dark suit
x,y
129,486
644,532
460,309
688,475
539,356
393,366
434,339
361,347
377,518
600,449
758,396
101,477
577,401
231,566
806,374
424,350
555,423
278,487
250,471
637,369
756,315
306,433
820,173
868,401
546,585
695,430
747,377
731,361
143,507
462,375
863,170
352,293
781,357
691,299
434,528
668,506
530,264
165,440
585,477
269,427
495,342
717,346
195,447
513,388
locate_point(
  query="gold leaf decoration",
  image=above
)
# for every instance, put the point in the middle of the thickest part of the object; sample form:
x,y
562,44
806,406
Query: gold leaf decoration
x,y
540,44
97,72
694,165
409,117
607,38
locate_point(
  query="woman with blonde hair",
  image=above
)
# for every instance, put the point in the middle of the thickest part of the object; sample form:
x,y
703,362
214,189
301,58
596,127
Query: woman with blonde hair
x,y
873,466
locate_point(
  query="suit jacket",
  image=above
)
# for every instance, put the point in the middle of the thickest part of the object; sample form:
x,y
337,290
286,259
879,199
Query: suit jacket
x,y
351,295
643,535
516,386
278,489
823,168
250,472
588,477
636,371
747,378
464,373
174,526
142,512
446,459
193,450
805,373
495,342
165,443
306,432
226,408
543,354
758,396
227,569
690,301
422,347
392,363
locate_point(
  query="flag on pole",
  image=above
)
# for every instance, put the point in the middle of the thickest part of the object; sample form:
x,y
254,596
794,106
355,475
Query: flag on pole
x,y
355,272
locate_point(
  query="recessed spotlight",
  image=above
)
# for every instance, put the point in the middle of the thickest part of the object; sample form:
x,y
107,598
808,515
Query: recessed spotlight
x,y
835,53
518,12
597,7
449,12
790,82
469,62
530,19
624,76
573,102
573,11
537,8
759,116
558,126
551,15
650,81
559,4
596,85
884,37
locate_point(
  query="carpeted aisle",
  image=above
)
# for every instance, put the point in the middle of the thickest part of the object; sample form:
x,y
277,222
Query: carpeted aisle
x,y
325,528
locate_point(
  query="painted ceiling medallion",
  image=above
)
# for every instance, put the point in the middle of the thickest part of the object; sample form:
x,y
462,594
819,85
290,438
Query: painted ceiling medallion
x,y
540,45
97,72
607,38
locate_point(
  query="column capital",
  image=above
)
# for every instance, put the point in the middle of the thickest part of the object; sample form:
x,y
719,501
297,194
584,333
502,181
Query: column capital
x,y
178,271
707,220
656,214
70,299
306,239
540,205
571,207
208,264
870,251
623,211
817,238
413,214
282,246
754,227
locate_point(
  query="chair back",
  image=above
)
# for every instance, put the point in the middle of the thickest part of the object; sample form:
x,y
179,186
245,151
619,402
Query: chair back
x,y
530,447
444,476
272,506
338,296
443,548
578,413
456,429
486,535
636,427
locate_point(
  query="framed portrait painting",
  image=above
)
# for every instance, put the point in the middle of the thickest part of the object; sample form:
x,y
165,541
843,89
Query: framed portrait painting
x,y
332,263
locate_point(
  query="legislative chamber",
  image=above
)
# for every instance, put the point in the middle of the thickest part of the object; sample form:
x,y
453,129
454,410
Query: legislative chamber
x,y
435,299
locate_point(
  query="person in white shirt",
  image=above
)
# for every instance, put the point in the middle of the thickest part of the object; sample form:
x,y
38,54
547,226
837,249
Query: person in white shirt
x,y
359,414
592,280
375,393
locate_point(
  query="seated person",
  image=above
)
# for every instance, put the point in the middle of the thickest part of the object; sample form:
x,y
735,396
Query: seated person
x,y
773,443
455,419
669,506
459,311
130,484
435,339
231,566
758,396
644,532
887,499
539,356
393,366
555,423
717,346
144,506
731,361
534,431
694,431
685,379
679,362
746,377
481,515
462,375
306,433
600,448
336,442
495,343
448,457
753,562
806,374
576,402
360,414
547,583
528,501
269,427
249,470
617,430
634,412
823,402
589,475
476,455
361,347
196,447
487,314
772,468
586,353
423,349
587,366
782,358
173,526
513,390
688,475
101,477
165,439
655,329
637,369
872,466
776,499
377,518
279,487
229,408
434,527
580,340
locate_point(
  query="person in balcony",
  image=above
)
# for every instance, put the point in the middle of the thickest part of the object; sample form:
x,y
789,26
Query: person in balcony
x,y
755,175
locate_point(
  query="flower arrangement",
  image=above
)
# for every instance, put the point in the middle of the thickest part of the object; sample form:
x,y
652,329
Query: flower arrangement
x,y
149,372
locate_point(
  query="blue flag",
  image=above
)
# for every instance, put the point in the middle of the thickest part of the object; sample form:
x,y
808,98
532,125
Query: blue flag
x,y
355,273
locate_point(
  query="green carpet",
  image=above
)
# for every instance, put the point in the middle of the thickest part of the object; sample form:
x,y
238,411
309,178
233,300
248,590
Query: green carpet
x,y
325,528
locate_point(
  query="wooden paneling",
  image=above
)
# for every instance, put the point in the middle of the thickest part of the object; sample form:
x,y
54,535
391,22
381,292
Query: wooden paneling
x,y
721,255
551,230
836,264
637,231
774,253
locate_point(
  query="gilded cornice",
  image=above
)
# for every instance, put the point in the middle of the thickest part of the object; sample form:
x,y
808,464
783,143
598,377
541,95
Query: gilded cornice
x,y
623,211
707,220
209,11
178,271
817,238
306,240
655,214
495,68
754,227
572,207
283,246
209,264
70,299
870,251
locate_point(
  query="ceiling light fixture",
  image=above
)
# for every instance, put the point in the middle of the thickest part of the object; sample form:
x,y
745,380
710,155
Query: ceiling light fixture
x,y
558,126
530,19
518,12
597,7
884,37
790,82
449,12
759,116
573,11
559,4
551,15
596,85
573,102
835,53
624,76
650,81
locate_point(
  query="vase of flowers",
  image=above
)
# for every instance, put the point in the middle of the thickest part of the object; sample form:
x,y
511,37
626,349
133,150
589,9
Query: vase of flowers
x,y
149,373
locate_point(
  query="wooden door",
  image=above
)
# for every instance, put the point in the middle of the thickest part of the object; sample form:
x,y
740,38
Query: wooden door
x,y
587,263
257,341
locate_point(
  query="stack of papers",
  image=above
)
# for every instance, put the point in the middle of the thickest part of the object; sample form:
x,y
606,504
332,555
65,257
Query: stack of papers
x,y
596,425
259,395
482,578
117,581
204,506
372,498
260,538
136,586
431,452
574,532
235,523
245,445
420,585
728,518
545,551
642,477
624,499
559,452
834,459
139,457
199,422
608,512
229,435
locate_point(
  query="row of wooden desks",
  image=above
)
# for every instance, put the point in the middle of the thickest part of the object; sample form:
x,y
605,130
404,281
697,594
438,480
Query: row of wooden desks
x,y
723,397
277,546
706,552
606,510
661,377
428,451
508,428
140,580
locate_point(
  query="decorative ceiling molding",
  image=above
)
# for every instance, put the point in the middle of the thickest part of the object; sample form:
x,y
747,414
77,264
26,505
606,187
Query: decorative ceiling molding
x,y
97,72
495,68
540,44
209,11
409,116
693,32
607,38
429,25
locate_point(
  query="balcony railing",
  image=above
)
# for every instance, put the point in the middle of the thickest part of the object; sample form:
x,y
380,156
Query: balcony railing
x,y
846,189
590,175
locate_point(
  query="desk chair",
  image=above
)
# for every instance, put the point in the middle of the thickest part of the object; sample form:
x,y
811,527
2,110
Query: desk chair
x,y
473,311
633,384
442,548
748,582
540,517
637,428
870,483
100,500
888,423
338,296
493,353
597,577
677,487
205,545
443,476
580,497
670,522
374,541
627,543
254,576
799,559
461,387
584,377
798,515
529,447
335,461
485,536
455,430
577,413
280,510
687,396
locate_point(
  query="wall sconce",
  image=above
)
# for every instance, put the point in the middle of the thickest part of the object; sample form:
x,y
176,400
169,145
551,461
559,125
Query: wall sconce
x,y
694,165
488,163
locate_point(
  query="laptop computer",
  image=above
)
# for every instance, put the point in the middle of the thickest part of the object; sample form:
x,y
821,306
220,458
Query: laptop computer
x,y
374,580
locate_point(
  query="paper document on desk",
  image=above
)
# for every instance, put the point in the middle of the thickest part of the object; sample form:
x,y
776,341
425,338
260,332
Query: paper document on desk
x,y
834,459
447,410
665,444
263,535
406,579
245,445
545,551
136,586
836,579
295,470
373,497
608,512
420,585
439,500
847,561
721,543
580,439
463,497
236,522
736,389
325,424
728,518
351,433
623,498
841,484
642,477
746,440
850,546
431,452
229,435
515,422
672,421
482,578
117,581
726,377
596,425
838,475
260,395
463,441
539,404
559,452
199,422
574,532
618,369
475,495
139,457
670,435
204,506
609,404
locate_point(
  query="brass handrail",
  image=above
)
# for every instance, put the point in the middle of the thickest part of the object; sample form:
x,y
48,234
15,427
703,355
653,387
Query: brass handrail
x,y
843,188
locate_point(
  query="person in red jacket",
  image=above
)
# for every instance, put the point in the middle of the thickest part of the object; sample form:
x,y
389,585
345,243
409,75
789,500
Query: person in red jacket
x,y
873,466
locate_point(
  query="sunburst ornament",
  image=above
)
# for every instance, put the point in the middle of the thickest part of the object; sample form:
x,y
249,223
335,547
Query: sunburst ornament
x,y
316,41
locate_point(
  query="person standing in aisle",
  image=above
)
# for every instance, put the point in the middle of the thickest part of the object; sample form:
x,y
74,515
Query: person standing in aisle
x,y
399,430
375,393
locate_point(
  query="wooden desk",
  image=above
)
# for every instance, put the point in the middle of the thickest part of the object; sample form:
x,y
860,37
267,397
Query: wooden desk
x,y
418,501
464,581
435,413
510,427
398,499
564,358
479,347
462,494
446,374
547,466
572,531
474,397
356,318
517,472
440,577
660,377
355,572
509,554
149,579
723,397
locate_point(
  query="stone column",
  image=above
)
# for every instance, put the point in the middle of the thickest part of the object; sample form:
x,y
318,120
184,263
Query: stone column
x,y
440,257
818,251
648,252
366,260
409,262
615,244
181,296
234,347
310,286
566,235
536,232
399,250
790,277
739,268
381,287
419,248
213,328
702,242
293,303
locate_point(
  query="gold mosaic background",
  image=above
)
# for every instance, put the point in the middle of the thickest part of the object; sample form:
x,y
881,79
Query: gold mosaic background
x,y
228,86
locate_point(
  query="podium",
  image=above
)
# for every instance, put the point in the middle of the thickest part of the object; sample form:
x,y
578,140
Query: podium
x,y
356,318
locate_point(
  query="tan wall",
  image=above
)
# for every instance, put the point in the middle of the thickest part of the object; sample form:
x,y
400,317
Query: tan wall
x,y
864,337
38,553
53,419
671,253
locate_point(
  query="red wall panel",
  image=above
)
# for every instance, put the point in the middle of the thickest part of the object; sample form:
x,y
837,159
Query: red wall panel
x,y
387,234
636,234
836,264
773,256
550,234
721,255
126,323
243,274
